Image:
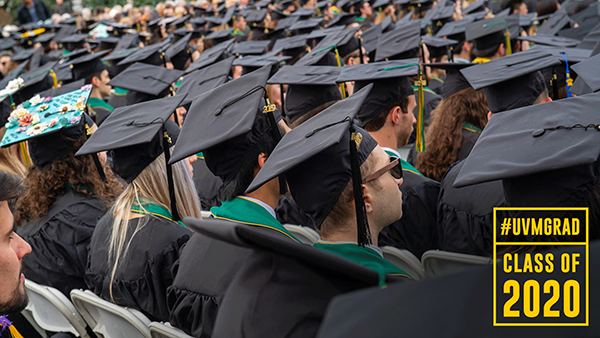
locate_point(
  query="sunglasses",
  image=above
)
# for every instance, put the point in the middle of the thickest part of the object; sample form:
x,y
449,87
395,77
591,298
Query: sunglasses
x,y
394,167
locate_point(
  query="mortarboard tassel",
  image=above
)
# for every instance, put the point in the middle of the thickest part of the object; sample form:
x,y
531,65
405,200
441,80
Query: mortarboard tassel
x,y
342,85
269,109
362,223
508,45
166,142
554,84
359,38
25,154
54,80
420,143
568,79
7,324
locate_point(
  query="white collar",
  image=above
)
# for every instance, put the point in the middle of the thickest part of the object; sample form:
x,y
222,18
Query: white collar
x,y
262,204
376,248
393,151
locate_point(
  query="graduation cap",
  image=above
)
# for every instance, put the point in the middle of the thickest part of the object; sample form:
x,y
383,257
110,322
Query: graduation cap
x,y
305,26
589,72
455,80
150,54
476,6
44,39
490,33
69,87
251,63
295,44
343,19
74,41
321,33
226,123
308,88
318,159
7,43
211,56
438,47
286,22
303,13
553,147
556,22
220,35
179,22
591,39
147,79
23,55
342,43
550,40
441,15
51,126
105,43
136,135
100,31
390,81
255,17
204,79
250,47
88,65
511,81
402,42
180,52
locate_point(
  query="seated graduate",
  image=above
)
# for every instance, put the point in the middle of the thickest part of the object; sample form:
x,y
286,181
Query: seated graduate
x,y
465,215
343,180
387,114
228,125
66,195
138,240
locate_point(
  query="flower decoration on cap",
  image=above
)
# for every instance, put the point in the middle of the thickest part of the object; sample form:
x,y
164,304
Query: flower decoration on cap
x,y
47,99
34,101
43,107
65,108
86,88
19,112
37,129
80,105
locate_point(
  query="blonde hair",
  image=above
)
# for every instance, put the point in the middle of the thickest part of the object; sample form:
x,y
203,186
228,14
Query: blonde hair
x,y
150,184
9,161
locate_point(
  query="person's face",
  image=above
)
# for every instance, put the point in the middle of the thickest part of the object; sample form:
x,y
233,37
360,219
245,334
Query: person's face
x,y
406,121
4,64
168,12
384,201
103,86
240,23
12,250
523,9
190,160
366,9
59,2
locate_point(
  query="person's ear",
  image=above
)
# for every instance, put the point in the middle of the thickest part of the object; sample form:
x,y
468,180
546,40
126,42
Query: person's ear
x,y
395,115
95,81
262,158
489,115
368,199
501,50
548,99
350,61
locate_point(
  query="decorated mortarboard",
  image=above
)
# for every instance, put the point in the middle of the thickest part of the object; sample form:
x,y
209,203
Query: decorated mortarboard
x,y
150,54
69,87
100,31
454,81
23,55
476,6
511,81
318,159
226,123
557,21
250,47
42,116
88,65
396,43
211,56
204,79
556,161
308,88
550,40
180,52
145,78
390,81
589,71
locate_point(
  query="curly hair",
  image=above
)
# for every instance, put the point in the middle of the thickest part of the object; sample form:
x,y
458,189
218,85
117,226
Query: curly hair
x,y
444,135
43,186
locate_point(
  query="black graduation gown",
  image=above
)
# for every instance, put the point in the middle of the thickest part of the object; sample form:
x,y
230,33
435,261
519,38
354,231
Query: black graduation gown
x,y
469,138
416,231
431,101
59,241
465,215
144,273
436,85
117,100
288,212
207,185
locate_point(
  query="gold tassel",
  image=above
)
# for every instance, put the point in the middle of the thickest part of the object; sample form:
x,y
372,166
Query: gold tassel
x,y
25,154
420,143
508,46
54,80
342,85
13,332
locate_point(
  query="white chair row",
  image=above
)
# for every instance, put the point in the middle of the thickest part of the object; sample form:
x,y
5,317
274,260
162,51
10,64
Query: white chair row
x,y
50,310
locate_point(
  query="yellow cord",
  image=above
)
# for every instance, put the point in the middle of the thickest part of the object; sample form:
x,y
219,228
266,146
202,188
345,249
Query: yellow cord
x,y
420,143
337,58
508,46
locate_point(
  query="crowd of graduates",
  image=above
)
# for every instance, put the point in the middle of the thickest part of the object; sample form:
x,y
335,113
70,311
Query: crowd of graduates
x,y
156,155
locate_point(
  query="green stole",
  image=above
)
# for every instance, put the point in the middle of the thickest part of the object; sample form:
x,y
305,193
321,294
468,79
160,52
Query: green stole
x,y
405,165
148,207
416,89
244,211
94,102
120,91
433,77
364,256
472,128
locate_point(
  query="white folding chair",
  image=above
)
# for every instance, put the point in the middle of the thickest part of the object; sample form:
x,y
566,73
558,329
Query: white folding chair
x,y
304,234
165,330
440,263
405,260
205,214
52,311
109,320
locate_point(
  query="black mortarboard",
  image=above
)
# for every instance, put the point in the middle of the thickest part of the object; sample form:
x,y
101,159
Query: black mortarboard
x,y
309,87
489,33
590,40
134,135
305,26
369,40
397,43
474,7
572,54
150,54
255,17
44,38
452,29
455,80
145,78
321,33
250,47
318,159
7,43
438,46
179,22
117,55
23,55
293,45
180,52
556,160
441,15
581,31
105,43
211,56
226,123
303,13
343,19
390,84
128,41
589,71
511,81
251,63
69,87
550,40
60,123
286,22
228,15
72,42
344,41
219,36
88,65
204,79
555,23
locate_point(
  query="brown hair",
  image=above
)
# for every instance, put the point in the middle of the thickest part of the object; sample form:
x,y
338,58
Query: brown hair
x,y
444,135
9,161
45,185
378,122
312,113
